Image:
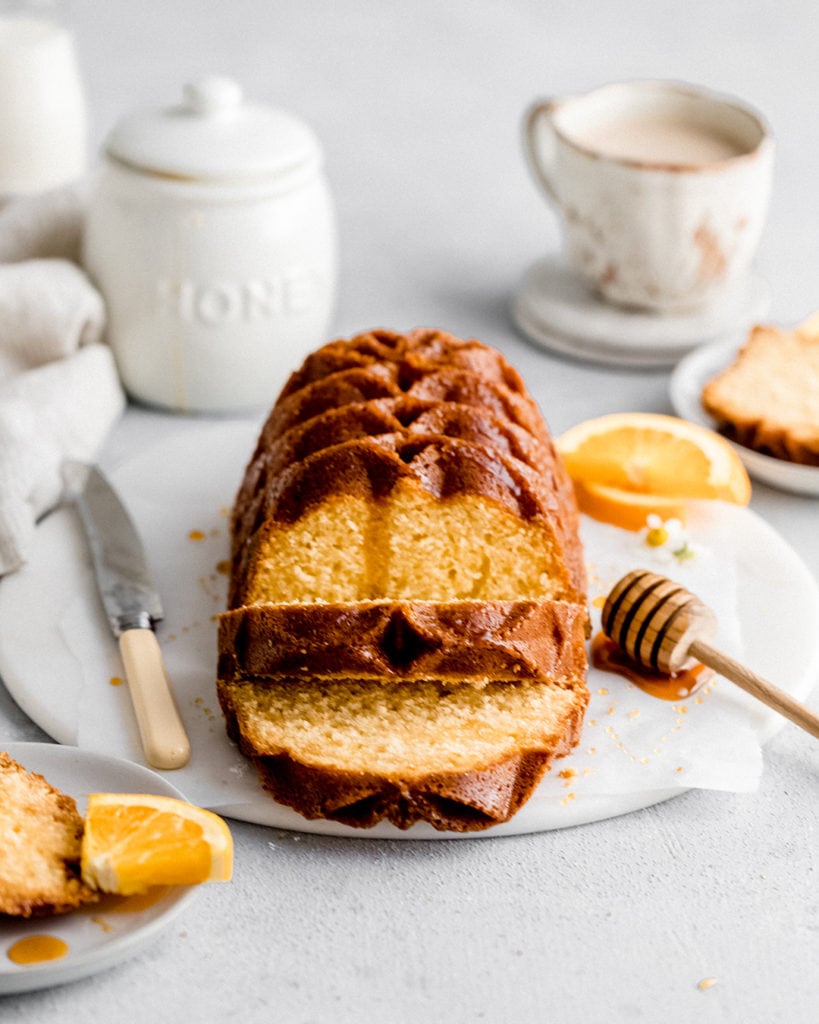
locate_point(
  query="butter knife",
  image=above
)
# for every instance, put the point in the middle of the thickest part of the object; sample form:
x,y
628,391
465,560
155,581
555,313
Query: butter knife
x,y
133,607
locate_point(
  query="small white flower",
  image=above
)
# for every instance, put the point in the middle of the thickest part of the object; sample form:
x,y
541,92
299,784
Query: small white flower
x,y
668,540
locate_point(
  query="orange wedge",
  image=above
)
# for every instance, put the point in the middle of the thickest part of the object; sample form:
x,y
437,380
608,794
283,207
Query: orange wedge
x,y
627,466
134,841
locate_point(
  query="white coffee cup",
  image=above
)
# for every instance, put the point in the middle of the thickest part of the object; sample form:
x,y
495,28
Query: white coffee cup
x,y
662,187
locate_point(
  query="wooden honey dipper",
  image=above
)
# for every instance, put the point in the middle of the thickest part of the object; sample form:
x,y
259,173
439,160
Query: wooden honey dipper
x,y
659,624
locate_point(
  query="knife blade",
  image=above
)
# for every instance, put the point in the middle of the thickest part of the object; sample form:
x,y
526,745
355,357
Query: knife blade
x,y
133,607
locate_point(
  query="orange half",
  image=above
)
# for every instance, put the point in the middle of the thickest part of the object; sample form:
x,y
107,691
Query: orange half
x,y
626,466
134,841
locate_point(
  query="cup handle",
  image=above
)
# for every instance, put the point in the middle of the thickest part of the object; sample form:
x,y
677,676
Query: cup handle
x,y
539,146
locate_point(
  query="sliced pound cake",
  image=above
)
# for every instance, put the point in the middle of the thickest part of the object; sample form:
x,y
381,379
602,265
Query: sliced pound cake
x,y
768,398
405,637
40,837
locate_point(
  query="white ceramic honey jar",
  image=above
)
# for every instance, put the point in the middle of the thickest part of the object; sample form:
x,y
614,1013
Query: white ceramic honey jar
x,y
211,235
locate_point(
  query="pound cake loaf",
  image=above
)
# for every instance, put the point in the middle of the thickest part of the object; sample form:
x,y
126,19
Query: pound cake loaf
x,y
405,637
40,838
768,398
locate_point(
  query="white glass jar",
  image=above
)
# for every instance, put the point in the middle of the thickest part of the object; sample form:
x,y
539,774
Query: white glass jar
x,y
43,121
211,235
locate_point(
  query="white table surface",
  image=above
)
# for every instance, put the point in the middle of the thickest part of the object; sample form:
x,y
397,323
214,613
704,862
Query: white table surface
x,y
418,107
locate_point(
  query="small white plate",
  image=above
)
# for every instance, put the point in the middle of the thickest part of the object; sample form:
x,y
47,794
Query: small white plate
x,y
687,381
100,935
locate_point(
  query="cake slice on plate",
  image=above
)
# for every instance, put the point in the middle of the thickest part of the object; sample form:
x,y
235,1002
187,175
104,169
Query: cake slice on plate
x,y
40,839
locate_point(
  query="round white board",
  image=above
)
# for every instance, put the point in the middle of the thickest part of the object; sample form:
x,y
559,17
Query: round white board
x,y
58,658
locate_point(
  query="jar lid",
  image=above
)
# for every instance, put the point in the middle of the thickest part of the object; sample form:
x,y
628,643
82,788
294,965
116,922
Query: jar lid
x,y
214,134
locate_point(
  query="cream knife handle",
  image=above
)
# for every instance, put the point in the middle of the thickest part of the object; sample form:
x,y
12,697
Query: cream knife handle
x,y
163,735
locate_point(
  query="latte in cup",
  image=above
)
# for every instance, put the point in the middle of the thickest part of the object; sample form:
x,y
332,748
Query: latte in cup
x,y
662,189
660,140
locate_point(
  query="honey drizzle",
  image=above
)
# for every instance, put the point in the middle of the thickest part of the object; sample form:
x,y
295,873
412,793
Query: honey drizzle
x,y
36,949
608,657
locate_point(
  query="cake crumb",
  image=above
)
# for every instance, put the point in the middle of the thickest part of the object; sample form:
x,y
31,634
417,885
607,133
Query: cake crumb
x,y
706,983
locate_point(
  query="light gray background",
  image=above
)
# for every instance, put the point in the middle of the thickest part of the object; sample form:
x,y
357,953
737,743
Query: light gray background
x,y
418,107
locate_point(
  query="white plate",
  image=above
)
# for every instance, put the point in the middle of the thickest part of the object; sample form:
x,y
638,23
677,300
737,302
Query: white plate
x,y
687,381
98,936
553,308
57,656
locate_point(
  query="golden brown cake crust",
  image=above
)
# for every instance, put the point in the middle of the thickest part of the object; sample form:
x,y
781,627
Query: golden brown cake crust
x,y
40,836
396,641
365,383
414,355
404,415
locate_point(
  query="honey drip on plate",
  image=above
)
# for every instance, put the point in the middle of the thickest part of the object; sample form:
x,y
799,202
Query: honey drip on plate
x,y
111,903
608,657
36,949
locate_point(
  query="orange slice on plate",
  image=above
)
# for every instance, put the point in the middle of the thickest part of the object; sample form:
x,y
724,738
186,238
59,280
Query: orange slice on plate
x,y
134,841
627,466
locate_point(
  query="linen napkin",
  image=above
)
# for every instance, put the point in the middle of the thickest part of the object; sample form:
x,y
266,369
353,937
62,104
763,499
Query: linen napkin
x,y
59,389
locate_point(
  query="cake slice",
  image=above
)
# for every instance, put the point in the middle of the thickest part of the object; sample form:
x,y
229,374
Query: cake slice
x,y
461,642
390,517
768,398
460,758
40,838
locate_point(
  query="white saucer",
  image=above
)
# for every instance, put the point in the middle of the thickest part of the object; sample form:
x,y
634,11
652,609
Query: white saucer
x,y
97,936
553,308
687,382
